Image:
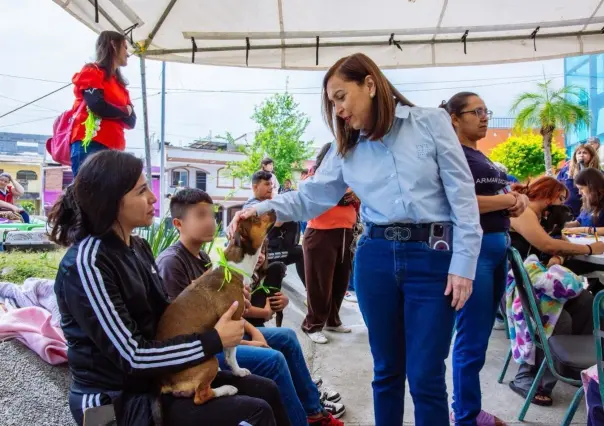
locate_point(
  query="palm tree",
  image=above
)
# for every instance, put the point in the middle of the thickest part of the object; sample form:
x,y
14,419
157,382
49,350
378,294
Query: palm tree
x,y
549,109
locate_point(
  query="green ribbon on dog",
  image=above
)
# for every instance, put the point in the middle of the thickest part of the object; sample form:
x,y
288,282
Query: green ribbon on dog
x,y
228,269
266,289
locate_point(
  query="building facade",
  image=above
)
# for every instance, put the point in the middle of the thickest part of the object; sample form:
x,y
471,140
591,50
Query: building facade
x,y
203,165
587,73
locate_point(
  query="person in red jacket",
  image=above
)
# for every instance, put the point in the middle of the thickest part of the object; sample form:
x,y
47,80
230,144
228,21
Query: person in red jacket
x,y
108,108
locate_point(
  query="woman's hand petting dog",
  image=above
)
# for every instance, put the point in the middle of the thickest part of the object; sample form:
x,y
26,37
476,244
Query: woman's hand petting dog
x,y
242,214
278,302
460,288
230,330
268,311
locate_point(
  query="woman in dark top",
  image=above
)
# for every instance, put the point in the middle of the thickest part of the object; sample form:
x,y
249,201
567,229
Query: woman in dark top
x,y
102,108
538,231
584,157
590,183
111,299
474,322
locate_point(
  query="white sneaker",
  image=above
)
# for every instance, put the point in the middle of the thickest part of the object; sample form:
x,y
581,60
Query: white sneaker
x,y
351,296
338,329
318,337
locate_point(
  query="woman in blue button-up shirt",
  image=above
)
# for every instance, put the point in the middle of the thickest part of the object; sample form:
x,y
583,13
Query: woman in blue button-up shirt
x,y
407,167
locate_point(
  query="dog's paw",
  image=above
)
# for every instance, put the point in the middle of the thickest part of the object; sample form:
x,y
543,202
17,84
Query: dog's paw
x,y
226,390
241,372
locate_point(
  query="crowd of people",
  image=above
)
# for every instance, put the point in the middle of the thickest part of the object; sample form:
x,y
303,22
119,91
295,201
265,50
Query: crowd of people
x,y
403,209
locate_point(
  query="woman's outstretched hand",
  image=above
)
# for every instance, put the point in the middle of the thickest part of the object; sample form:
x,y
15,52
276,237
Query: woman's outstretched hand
x,y
242,214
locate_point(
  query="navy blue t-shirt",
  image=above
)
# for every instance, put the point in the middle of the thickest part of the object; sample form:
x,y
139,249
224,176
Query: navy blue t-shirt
x,y
488,180
587,219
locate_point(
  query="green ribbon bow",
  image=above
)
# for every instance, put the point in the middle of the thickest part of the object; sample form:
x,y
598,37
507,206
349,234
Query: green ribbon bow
x,y
266,289
228,269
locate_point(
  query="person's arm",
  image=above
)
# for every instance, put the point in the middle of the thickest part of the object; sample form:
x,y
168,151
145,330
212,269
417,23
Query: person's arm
x,y
173,275
315,195
130,121
95,101
257,338
461,194
9,206
265,313
94,298
17,189
495,203
571,225
527,225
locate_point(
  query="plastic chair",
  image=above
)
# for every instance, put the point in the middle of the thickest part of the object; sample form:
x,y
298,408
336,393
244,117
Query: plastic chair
x,y
562,352
508,357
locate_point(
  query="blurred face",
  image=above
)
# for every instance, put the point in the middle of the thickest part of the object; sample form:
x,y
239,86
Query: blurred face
x,y
121,58
559,200
261,259
137,206
583,156
198,223
3,182
268,167
287,184
473,121
352,102
595,145
263,190
583,190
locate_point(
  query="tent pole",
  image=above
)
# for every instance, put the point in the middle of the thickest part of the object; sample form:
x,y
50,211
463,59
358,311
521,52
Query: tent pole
x,y
146,120
162,142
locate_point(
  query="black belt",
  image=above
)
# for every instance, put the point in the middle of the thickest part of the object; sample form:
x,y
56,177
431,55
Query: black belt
x,y
417,232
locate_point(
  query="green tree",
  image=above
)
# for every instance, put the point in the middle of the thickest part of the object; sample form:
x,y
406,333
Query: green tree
x,y
279,136
548,109
523,155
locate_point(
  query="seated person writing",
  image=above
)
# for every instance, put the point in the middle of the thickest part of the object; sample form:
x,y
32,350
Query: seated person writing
x,y
274,353
590,183
7,194
546,198
284,237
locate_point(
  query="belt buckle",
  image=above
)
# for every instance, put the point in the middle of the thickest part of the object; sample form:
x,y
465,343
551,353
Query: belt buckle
x,y
397,233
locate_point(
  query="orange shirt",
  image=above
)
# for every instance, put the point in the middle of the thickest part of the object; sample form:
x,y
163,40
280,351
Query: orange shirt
x,y
111,132
335,217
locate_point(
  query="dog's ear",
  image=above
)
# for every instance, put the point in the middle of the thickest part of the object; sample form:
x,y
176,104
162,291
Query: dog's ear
x,y
237,239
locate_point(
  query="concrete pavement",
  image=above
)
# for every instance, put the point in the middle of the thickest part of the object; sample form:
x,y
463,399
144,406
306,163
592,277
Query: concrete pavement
x,y
345,364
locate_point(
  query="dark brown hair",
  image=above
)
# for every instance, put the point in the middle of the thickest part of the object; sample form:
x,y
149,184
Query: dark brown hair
x,y
183,200
543,188
457,103
107,46
90,205
594,181
574,168
266,161
356,68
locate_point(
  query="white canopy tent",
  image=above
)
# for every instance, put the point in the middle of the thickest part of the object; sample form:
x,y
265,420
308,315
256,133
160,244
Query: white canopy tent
x,y
313,34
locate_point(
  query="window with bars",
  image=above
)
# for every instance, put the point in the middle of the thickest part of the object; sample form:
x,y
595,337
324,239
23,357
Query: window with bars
x,y
201,179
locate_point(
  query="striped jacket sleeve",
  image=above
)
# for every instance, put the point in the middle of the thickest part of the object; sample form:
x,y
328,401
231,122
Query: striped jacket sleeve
x,y
92,293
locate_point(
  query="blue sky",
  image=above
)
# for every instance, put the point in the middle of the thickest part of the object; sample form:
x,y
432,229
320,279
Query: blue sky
x,y
41,41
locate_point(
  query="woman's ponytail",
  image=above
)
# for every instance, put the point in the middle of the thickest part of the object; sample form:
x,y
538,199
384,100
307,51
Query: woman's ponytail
x,y
65,219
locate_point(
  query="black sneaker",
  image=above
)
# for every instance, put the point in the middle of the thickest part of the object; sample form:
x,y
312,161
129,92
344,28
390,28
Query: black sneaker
x,y
330,395
318,381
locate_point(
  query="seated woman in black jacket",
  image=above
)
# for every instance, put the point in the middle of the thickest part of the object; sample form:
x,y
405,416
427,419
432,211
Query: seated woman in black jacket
x,y
111,299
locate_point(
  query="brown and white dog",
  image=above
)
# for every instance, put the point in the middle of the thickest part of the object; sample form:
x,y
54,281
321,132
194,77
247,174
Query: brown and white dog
x,y
199,307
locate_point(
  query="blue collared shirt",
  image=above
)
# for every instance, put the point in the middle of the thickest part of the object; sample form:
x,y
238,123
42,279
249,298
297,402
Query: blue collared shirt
x,y
417,174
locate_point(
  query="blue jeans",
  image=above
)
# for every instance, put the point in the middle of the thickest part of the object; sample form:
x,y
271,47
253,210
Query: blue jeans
x,y
79,154
400,288
284,363
474,324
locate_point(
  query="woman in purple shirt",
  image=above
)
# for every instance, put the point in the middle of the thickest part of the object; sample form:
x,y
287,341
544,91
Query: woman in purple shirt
x,y
496,203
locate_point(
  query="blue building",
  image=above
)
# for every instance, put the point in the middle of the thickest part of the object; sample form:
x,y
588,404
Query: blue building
x,y
587,73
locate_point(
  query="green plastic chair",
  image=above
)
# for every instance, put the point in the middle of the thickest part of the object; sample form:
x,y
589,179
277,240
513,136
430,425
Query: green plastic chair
x,y
508,357
598,312
562,352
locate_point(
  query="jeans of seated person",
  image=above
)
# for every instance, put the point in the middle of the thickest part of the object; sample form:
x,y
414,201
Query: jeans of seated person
x,y
400,287
474,325
576,319
595,413
284,363
79,154
25,216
